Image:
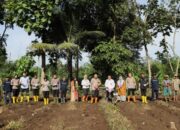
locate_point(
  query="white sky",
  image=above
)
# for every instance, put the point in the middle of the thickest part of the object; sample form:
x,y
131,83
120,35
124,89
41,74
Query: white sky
x,y
18,41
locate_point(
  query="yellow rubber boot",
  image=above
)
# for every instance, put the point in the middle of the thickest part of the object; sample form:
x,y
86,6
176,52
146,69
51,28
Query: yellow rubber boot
x,y
28,98
37,98
34,97
96,100
92,100
17,99
145,99
21,99
142,99
47,100
14,99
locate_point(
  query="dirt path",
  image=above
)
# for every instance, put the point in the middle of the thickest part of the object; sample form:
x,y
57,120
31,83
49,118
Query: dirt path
x,y
68,116
153,116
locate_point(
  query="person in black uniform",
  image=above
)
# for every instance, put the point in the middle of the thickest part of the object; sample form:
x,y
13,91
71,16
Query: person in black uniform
x,y
143,83
63,89
7,89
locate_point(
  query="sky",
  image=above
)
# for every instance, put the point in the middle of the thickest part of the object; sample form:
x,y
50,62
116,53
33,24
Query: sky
x,y
18,42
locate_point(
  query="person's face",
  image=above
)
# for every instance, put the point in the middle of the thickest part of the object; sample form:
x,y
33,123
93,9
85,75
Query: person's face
x,y
142,75
85,76
7,79
109,77
55,76
95,76
64,78
35,76
129,75
15,76
24,74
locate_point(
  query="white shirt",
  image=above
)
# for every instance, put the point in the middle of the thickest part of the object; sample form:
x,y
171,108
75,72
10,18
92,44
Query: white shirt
x,y
24,81
85,83
110,85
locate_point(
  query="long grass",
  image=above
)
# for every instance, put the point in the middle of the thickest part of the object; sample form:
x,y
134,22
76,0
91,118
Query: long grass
x,y
114,117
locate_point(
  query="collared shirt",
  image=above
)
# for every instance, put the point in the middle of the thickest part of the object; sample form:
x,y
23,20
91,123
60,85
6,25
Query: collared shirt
x,y
7,86
176,83
45,85
95,83
15,83
55,83
110,85
35,83
131,83
24,81
85,83
143,83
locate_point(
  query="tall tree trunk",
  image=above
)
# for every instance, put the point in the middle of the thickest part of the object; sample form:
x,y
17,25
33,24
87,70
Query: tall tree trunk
x,y
69,64
177,67
43,65
148,63
77,66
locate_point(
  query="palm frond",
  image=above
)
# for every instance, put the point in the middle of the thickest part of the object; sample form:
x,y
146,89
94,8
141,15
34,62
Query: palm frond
x,y
42,47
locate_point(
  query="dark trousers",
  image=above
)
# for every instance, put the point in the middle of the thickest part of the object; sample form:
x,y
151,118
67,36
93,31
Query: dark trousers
x,y
143,92
63,94
109,95
155,93
7,97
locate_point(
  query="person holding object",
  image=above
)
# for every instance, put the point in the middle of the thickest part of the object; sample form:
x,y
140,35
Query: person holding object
x,y
35,83
131,86
109,85
85,86
24,89
95,83
143,84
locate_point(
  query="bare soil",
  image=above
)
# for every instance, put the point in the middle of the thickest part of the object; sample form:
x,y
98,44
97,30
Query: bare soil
x,y
70,116
156,115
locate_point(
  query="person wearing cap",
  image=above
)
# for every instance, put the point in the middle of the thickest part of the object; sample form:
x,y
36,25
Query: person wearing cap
x,y
45,89
167,88
154,88
15,88
175,86
121,89
55,88
35,84
85,86
131,87
24,88
95,84
7,89
143,84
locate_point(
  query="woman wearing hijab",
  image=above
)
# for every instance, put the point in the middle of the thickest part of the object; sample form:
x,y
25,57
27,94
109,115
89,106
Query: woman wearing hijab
x,y
121,88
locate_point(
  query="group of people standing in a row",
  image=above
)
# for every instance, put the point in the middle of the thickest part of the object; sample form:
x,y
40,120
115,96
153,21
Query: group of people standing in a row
x,y
130,85
19,88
